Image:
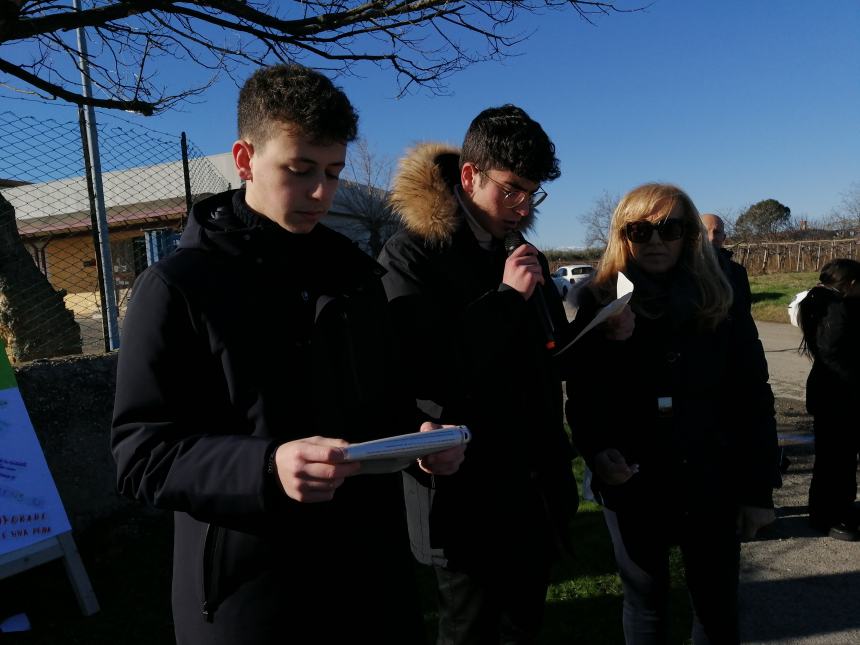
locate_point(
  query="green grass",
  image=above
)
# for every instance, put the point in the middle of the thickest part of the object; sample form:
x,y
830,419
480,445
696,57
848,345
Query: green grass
x,y
771,293
584,600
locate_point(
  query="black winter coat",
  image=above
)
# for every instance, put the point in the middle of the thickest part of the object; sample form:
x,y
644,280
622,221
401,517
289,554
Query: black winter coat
x,y
737,275
713,450
246,338
474,355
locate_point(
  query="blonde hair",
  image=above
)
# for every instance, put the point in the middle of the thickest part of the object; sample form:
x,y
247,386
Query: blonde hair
x,y
654,202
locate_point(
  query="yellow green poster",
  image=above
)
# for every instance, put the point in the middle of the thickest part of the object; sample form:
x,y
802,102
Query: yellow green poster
x,y
30,506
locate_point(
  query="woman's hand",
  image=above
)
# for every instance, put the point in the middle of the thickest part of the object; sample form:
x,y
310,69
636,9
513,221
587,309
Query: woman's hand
x,y
612,468
621,325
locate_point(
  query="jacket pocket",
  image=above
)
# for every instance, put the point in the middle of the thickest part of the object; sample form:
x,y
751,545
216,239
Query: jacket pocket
x,y
419,503
211,565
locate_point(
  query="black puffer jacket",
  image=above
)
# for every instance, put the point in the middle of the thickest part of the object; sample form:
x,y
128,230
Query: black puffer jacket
x,y
475,356
716,448
246,338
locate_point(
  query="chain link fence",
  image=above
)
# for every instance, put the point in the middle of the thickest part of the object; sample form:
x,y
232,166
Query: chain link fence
x,y
49,210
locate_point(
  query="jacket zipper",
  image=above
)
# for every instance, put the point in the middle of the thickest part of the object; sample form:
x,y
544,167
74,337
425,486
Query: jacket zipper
x,y
211,544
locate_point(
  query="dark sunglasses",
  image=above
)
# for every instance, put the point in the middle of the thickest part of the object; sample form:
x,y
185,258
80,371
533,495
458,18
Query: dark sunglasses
x,y
669,229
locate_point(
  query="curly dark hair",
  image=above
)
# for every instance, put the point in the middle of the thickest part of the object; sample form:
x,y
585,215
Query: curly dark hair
x,y
299,97
506,138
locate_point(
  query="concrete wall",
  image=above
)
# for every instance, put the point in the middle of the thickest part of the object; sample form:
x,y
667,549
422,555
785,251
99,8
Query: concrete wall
x,y
70,402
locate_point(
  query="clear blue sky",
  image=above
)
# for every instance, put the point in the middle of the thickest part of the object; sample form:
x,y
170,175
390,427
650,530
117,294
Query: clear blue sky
x,y
735,101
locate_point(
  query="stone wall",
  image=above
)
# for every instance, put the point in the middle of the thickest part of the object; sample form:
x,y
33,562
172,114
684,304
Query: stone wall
x,y
70,402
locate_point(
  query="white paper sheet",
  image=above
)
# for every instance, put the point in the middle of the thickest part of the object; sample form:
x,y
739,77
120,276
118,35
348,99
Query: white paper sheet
x,y
623,293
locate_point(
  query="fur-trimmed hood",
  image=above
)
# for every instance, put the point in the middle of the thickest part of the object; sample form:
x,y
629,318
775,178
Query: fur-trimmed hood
x,y
423,192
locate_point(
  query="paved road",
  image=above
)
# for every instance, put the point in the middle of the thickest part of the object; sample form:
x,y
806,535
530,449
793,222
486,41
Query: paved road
x,y
796,585
788,369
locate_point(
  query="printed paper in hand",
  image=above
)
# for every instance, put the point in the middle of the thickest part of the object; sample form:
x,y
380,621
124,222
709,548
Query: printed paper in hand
x,y
623,293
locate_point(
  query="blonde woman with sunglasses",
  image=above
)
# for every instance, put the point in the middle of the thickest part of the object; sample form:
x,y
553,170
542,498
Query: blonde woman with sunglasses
x,y
677,423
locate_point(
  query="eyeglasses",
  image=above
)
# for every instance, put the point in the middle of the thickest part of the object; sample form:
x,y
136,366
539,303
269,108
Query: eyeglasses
x,y
669,229
514,198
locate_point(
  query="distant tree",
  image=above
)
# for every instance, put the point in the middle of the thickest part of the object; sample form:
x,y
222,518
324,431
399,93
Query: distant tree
x,y
730,223
851,204
763,218
597,220
422,41
365,194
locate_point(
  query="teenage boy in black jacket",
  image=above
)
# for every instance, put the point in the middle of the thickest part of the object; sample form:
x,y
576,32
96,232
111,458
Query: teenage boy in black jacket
x,y
465,318
250,358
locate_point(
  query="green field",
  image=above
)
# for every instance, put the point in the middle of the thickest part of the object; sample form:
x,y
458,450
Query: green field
x,y
771,293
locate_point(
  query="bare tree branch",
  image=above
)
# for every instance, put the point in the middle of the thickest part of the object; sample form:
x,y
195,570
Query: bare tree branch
x,y
422,41
59,92
364,193
597,220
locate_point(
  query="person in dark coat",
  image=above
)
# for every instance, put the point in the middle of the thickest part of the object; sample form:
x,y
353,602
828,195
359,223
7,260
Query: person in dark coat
x,y
250,358
735,271
676,422
469,331
830,320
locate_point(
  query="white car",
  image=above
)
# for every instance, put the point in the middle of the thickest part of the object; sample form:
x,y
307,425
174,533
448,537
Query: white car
x,y
562,285
573,273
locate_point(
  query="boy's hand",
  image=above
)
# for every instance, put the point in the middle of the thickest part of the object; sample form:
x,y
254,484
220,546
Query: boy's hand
x,y
446,462
310,470
523,271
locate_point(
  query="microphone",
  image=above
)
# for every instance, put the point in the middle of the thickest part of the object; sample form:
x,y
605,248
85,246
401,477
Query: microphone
x,y
513,240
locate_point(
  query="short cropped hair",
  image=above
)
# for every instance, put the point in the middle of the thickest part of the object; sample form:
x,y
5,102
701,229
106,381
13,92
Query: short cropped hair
x,y
506,138
299,98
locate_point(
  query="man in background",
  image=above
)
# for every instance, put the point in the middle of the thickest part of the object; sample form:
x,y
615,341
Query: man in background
x,y
734,271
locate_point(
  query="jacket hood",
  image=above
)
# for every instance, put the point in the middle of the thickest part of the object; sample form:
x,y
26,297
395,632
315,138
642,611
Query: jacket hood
x,y
214,226
423,192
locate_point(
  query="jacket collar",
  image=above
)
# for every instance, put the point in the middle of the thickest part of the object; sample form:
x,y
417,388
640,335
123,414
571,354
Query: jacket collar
x,y
220,224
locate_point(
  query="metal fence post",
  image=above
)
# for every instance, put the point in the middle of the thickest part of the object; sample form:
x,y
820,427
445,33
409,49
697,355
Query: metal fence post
x,y
94,223
108,287
186,174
